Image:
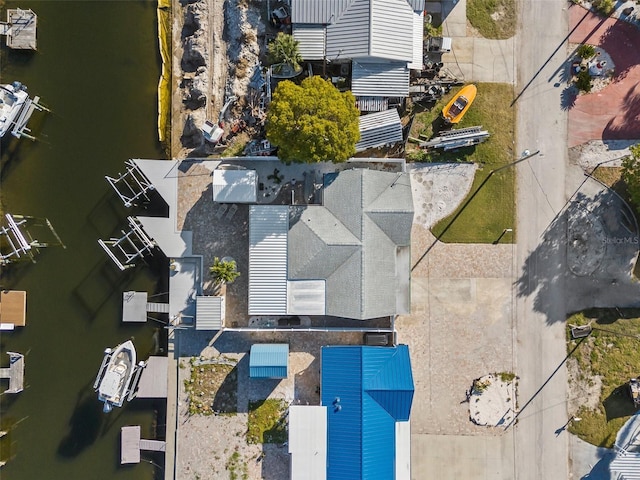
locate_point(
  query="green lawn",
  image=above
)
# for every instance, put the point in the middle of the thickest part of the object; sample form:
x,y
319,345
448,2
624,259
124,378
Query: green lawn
x,y
486,211
493,18
266,422
611,352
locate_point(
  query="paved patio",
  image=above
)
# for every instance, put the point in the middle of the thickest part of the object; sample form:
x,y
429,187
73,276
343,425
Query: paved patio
x,y
614,112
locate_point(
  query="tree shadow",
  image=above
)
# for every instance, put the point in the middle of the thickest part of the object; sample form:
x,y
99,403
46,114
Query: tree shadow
x,y
625,124
544,271
619,404
568,97
584,257
620,41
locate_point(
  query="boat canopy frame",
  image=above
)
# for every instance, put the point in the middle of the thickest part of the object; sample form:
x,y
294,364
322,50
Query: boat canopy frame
x,y
18,242
132,185
130,246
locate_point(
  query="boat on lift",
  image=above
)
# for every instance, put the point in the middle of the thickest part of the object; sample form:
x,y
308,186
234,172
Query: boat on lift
x,y
113,382
458,106
16,108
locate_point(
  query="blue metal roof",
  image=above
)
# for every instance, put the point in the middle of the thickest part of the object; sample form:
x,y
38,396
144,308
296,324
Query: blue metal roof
x,y
269,360
366,390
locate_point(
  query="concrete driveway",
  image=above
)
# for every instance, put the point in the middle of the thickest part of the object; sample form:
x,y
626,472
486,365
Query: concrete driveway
x,y
460,328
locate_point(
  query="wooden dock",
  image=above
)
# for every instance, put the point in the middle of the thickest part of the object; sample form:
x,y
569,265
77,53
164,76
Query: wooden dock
x,y
21,31
131,444
13,309
15,372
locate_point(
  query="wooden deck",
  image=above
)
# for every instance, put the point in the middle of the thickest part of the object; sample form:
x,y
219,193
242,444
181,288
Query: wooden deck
x,y
13,308
15,373
22,29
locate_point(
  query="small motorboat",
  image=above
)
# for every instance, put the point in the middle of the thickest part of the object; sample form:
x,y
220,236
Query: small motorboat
x,y
458,106
113,381
13,99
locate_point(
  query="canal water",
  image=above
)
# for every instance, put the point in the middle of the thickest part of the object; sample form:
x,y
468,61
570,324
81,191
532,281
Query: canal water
x,y
97,68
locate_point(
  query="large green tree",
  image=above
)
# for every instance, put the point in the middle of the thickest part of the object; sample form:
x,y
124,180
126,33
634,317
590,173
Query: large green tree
x,y
312,122
631,174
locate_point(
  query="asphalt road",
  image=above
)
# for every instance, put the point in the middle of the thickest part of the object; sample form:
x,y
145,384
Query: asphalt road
x,y
541,446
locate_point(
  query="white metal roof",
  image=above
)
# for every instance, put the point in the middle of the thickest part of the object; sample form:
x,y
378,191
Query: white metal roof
x,y
268,230
403,450
418,40
308,442
311,40
380,128
384,79
235,186
209,313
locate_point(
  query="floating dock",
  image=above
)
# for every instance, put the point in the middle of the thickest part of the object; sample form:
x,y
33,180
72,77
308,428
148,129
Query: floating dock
x,y
135,306
20,29
15,373
13,309
153,382
131,444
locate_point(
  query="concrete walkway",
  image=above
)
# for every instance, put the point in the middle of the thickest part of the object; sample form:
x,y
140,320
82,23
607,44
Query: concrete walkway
x,y
474,58
614,112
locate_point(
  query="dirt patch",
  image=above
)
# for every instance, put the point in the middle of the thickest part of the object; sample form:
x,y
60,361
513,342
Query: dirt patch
x,y
492,400
212,386
584,389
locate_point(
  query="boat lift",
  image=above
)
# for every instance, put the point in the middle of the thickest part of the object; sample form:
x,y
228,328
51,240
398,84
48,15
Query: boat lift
x,y
132,245
131,185
16,239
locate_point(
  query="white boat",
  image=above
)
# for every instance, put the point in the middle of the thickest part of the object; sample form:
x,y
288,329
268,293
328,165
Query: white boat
x,y
13,99
114,377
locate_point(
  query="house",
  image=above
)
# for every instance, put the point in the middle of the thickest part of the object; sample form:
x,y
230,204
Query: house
x,y
349,257
381,40
361,429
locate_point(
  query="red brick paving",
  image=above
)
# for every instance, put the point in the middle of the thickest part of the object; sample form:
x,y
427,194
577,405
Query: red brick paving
x,y
614,112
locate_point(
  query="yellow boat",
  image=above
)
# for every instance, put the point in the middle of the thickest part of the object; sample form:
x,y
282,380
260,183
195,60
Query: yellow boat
x,y
458,106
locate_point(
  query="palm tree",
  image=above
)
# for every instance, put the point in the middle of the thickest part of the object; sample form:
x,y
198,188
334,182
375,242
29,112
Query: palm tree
x,y
284,50
223,271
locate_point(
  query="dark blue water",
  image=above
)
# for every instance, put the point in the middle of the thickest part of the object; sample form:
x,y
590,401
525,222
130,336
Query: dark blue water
x,y
97,68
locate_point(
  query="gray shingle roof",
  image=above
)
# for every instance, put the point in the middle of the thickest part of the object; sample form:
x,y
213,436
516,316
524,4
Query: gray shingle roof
x,y
352,242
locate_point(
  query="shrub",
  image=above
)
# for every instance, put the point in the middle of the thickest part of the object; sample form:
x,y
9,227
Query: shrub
x,y
605,7
583,83
586,51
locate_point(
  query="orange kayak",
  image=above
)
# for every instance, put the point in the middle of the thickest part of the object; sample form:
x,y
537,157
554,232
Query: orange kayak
x,y
458,106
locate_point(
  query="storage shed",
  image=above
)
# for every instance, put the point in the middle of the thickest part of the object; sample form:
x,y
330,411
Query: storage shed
x,y
269,360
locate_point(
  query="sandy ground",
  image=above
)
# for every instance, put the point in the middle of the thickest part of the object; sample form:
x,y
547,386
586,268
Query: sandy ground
x,y
216,44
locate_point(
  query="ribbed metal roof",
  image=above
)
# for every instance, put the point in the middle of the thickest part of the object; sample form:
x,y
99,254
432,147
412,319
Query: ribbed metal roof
x,y
268,229
269,360
317,11
378,129
311,41
418,41
366,391
626,465
372,104
209,313
386,79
